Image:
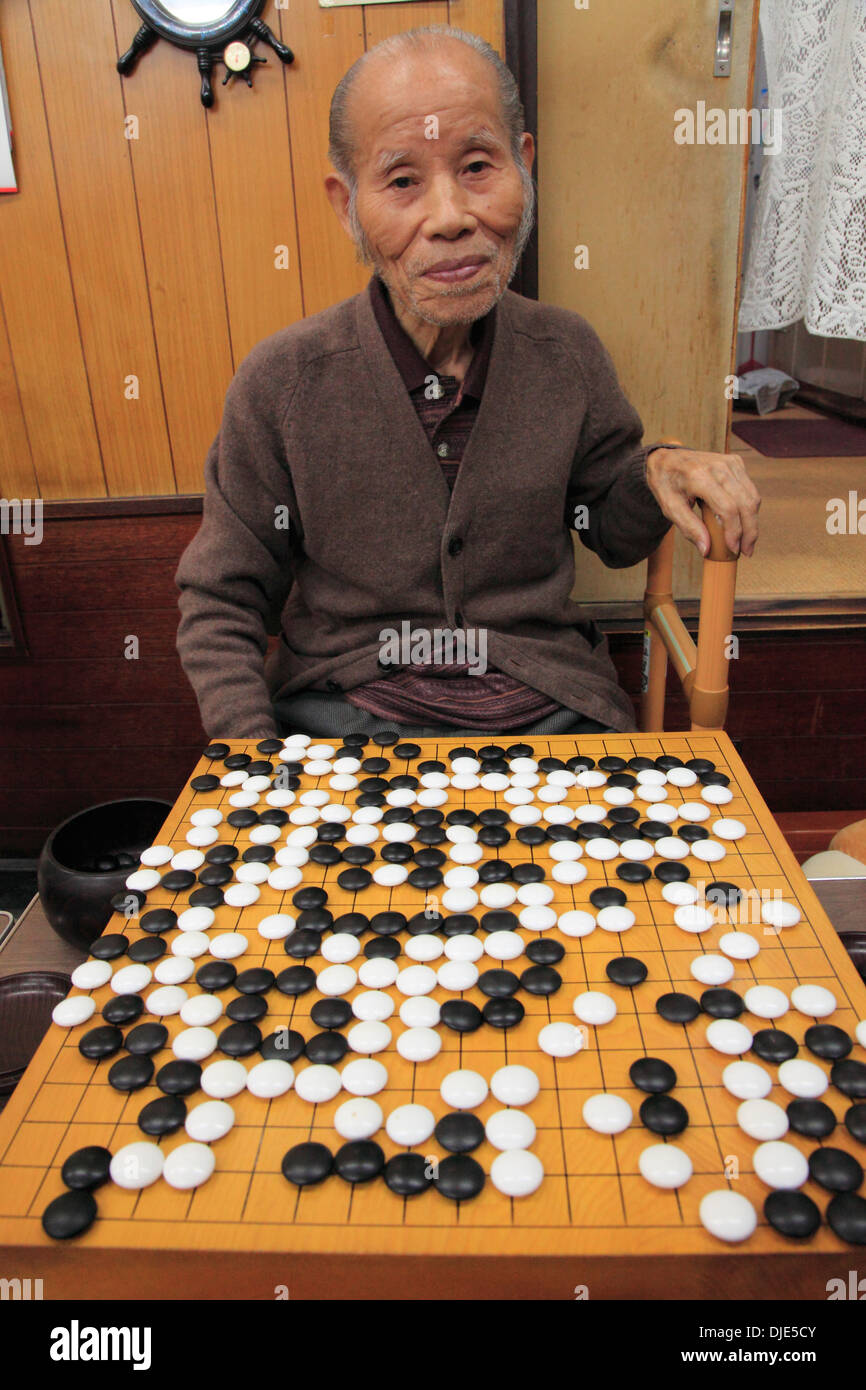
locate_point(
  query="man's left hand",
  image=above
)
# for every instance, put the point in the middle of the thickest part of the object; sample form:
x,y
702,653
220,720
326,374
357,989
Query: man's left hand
x,y
676,477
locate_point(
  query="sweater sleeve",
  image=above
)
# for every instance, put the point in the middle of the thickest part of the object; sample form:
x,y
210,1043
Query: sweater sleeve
x,y
235,574
609,503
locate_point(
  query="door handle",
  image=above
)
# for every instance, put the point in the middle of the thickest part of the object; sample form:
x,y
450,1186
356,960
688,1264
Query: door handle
x,y
724,36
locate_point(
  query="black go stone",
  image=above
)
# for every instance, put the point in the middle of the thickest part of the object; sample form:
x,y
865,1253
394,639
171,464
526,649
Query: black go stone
x,y
431,765
382,948
622,779
269,745
461,1016
652,1074
207,896
422,923
461,816
235,761
307,1164
87,1168
131,1073
355,923
258,854
849,1077
179,1078
491,750
722,1003
425,879
498,984
855,1121
215,975
611,763
545,951
146,1039
216,750
397,853
326,1048
700,766
846,1217
325,854
540,980
310,897
503,1013
607,897
215,875
222,854
639,764
835,1170
792,1214
495,871
499,919
206,782
120,901
408,1174
70,1214
331,1013
715,779
532,835
239,1039
109,947
494,836
256,980
459,1132
246,1008
430,835
692,833
722,894
626,970
427,815
387,923
827,1041
242,818
357,855
459,1177
403,781
633,873
375,765
159,919
360,1160
175,881
678,1008
373,786
297,979
774,1045
285,1045
259,768
516,750
581,763
621,833
528,873
355,740
492,816
671,872
654,830
663,1115
459,924
406,750
316,919
811,1118
397,815
666,761
623,815
124,1008
303,943
102,1042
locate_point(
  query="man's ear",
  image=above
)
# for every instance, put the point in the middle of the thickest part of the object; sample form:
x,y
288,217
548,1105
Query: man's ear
x,y
338,193
527,151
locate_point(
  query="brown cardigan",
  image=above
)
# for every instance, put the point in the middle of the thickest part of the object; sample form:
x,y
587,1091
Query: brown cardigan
x,y
327,517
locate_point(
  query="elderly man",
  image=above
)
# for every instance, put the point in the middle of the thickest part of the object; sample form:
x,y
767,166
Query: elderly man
x,y
396,479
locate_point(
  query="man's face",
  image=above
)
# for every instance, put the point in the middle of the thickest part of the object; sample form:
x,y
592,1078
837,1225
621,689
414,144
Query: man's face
x,y
439,197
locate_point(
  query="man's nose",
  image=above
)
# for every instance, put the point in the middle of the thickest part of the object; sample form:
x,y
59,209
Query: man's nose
x,y
447,208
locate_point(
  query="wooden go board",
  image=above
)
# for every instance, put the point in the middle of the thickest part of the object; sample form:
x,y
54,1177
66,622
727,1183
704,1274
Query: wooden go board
x,y
594,1223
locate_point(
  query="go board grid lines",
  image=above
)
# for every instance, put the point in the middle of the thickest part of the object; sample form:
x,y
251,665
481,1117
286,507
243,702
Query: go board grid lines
x,y
592,1197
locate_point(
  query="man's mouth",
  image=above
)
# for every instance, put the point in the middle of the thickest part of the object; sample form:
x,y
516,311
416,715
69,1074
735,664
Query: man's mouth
x,y
449,272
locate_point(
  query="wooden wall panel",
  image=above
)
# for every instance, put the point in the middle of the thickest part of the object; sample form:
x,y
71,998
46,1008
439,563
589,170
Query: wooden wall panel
x,y
154,257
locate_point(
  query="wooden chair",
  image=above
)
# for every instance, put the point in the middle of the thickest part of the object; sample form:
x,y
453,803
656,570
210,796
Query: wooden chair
x,y
703,666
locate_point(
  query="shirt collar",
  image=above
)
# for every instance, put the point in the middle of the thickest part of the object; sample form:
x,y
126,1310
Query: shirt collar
x,y
413,368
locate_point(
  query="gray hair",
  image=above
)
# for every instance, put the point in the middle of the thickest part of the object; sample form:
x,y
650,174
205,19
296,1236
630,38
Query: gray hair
x,y
341,148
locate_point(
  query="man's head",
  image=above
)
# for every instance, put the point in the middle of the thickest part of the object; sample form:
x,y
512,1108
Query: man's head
x,y
433,165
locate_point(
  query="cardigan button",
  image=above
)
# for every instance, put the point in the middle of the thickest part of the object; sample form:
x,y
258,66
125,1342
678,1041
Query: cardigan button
x,y
455,545
334,686
458,618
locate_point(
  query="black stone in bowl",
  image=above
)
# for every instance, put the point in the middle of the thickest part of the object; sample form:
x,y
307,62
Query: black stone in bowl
x,y
84,863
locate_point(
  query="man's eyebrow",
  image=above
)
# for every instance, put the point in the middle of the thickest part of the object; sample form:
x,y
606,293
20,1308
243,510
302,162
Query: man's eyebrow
x,y
483,139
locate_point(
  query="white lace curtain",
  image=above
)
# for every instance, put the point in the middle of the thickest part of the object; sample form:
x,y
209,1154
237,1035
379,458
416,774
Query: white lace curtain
x,y
807,256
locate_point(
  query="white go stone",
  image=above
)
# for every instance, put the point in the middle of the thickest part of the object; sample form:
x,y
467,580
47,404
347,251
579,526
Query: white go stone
x,y
254,874
778,913
712,970
233,779
517,1172
590,812
419,1044
517,796
728,829
682,777
498,895
739,945
537,918
465,781
762,1119
91,974
562,850
503,945
196,919
390,875
292,856
634,850
284,878
665,1165
78,1008
131,979
424,948
616,919
618,796
558,815
494,781
409,1125
194,1044
201,1010
461,878
728,1036
459,899
591,778
672,847
416,979
576,923
174,970
367,815
457,975
561,1039
358,1118
594,1007
137,1165
191,859
245,894
166,1000
680,894
378,973
727,1215
362,834
208,815
468,853
318,1084
523,765
561,777
570,871
145,879
510,1129
270,1078
458,834
373,1004
693,917
209,1121
717,796
400,796
228,946
368,1037
514,1085
765,1001
651,777
525,815
780,1165
340,947
276,927
664,811
336,979
421,1011
813,1000
535,894
156,855
709,851
199,835
860,1032
223,1079
463,948
606,1113
693,811
364,1077
264,834
303,836
464,1089
803,1079
747,1081
603,848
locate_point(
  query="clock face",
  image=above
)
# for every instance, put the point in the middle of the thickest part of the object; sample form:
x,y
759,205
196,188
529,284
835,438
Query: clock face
x,y
237,57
